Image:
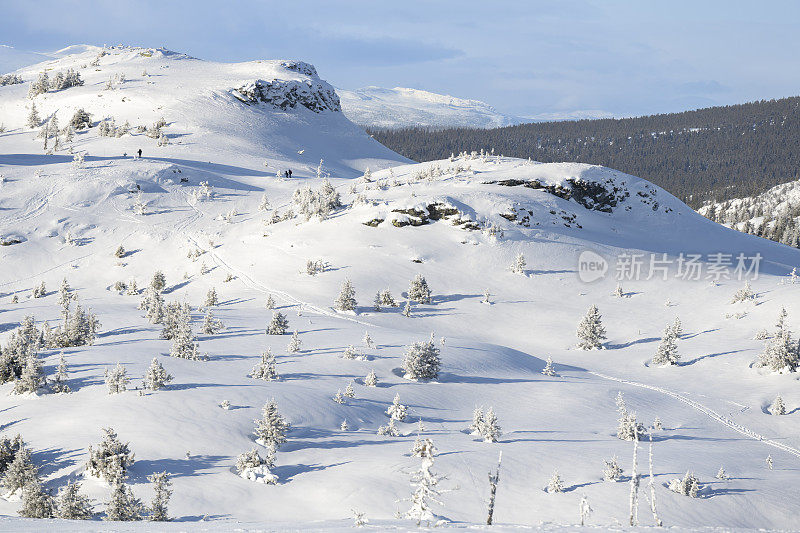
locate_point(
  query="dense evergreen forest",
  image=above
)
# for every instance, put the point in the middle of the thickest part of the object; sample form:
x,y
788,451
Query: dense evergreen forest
x,y
711,154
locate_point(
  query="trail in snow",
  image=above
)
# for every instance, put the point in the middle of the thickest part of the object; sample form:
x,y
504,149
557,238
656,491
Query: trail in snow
x,y
710,412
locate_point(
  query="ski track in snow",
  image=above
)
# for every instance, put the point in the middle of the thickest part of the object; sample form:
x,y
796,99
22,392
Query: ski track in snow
x,y
707,411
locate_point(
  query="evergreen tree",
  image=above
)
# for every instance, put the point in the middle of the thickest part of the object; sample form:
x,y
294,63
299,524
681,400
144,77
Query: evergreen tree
x,y
278,325
110,461
367,340
183,345
425,484
20,472
346,300
270,302
407,309
294,343
271,428
33,117
612,471
422,361
667,353
777,407
478,421
60,379
117,379
163,492
211,298
781,354
556,484
156,377
371,380
266,368
591,332
389,430
211,325
71,505
397,411
32,377
490,429
376,302
618,291
36,501
387,300
120,253
548,369
123,506
518,267
688,486
159,282
419,291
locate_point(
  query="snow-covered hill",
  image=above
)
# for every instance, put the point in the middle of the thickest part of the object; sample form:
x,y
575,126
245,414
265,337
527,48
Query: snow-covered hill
x,y
379,107
195,209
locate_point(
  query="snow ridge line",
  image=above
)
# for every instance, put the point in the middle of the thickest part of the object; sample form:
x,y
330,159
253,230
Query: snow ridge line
x,y
709,412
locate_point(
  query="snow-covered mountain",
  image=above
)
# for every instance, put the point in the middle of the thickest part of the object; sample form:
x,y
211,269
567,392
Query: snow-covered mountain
x,y
204,206
379,107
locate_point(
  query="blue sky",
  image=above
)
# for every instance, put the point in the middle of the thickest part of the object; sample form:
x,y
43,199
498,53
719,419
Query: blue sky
x,y
523,57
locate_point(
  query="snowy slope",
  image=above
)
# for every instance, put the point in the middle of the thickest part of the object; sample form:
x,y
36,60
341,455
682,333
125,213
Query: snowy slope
x,y
380,107
460,223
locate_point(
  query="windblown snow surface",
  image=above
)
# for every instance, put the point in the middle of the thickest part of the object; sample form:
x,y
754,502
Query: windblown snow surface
x,y
459,223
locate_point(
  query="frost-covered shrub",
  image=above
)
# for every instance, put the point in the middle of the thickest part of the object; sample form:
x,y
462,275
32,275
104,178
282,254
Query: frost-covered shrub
x,y
387,300
111,459
688,486
422,361
745,294
20,471
250,465
389,430
10,79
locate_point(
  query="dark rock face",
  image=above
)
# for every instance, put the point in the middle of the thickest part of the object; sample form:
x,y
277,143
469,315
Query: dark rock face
x,y
316,96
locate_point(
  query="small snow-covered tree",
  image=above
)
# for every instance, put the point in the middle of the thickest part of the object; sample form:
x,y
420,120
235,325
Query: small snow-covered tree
x,y
123,506
781,353
271,428
422,361
407,309
33,117
266,368
183,345
211,298
339,397
159,281
20,471
387,300
346,301
71,505
37,502
618,291
367,340
677,328
156,377
350,352
278,325
59,384
667,352
389,430
556,484
612,471
211,325
163,492
688,486
478,421
40,291
721,474
518,266
120,253
250,465
419,291
349,391
548,369
294,343
490,429
32,377
777,407
591,332
371,380
117,379
745,294
628,428
111,459
425,484
270,302
397,411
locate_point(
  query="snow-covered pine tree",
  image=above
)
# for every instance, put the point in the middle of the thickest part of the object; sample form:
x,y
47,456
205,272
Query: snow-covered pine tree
x,y
211,325
721,474
421,361
667,352
32,378
111,459
628,428
745,294
612,471
556,484
591,332
518,266
424,482
344,426
40,291
159,281
266,368
781,353
339,397
548,369
490,429
780,325
20,471
271,428
376,302
419,291
389,430
397,411
123,506
387,300
120,253
294,343
71,505
270,302
346,301
250,465
278,325
371,380
33,117
618,291
349,391
37,502
777,407
183,345
156,377
677,328
117,379
407,309
163,492
688,486
211,298
59,384
367,340
478,421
